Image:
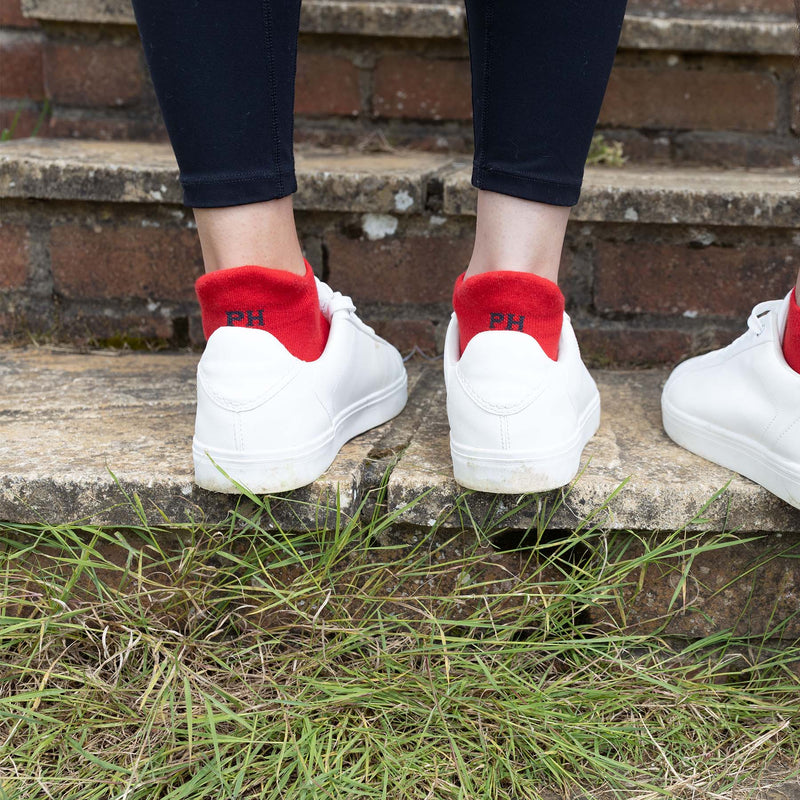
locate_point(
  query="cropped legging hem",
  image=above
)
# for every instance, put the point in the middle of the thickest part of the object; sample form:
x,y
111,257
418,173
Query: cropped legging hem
x,y
525,187
235,190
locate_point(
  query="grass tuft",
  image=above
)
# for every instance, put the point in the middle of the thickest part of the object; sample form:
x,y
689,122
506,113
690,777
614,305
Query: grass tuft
x,y
369,662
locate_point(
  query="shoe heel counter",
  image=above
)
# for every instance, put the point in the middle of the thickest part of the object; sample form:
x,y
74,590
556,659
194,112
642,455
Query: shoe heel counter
x,y
250,397
217,427
503,371
471,424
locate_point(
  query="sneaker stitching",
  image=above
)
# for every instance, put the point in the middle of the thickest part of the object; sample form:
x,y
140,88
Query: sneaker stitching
x,y
786,430
494,407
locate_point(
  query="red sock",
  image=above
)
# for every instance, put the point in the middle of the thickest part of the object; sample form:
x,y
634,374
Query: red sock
x,y
510,301
285,304
791,336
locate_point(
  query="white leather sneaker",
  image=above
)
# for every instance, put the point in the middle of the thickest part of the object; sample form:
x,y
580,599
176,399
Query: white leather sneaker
x,y
273,422
740,406
518,420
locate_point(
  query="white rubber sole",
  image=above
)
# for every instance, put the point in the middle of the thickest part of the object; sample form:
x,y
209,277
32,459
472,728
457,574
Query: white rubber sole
x,y
267,473
518,472
736,452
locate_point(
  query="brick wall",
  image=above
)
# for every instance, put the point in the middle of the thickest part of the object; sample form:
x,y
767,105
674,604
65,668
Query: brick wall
x,y
690,107
639,294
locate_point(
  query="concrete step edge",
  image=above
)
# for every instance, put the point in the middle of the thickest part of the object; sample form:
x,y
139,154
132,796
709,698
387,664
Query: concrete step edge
x,y
448,20
76,427
106,438
401,183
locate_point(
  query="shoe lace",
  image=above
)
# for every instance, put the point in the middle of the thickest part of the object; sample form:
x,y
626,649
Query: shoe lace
x,y
757,322
331,301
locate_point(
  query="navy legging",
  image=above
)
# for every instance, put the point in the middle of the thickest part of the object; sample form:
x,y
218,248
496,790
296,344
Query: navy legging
x,y
224,73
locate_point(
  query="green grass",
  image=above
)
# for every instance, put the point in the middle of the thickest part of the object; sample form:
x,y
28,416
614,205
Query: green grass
x,y
605,153
246,662
6,134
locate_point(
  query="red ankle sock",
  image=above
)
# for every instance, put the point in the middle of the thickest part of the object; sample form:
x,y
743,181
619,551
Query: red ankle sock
x,y
285,304
510,301
791,336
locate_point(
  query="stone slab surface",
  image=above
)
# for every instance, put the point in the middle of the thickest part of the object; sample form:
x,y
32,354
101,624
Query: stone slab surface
x,y
448,20
83,434
665,487
762,198
735,35
133,172
345,17
78,432
399,183
72,426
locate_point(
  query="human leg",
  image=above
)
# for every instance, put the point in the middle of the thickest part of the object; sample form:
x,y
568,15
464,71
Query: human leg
x,y
272,410
224,76
539,71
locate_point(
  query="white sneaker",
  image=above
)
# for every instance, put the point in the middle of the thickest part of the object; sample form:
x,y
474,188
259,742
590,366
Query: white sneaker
x,y
273,422
740,406
518,420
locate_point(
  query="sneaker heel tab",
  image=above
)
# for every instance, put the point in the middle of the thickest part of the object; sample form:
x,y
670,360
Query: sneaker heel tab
x,y
246,345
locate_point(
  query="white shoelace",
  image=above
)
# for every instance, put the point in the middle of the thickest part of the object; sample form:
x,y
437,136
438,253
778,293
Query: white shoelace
x,y
757,322
331,301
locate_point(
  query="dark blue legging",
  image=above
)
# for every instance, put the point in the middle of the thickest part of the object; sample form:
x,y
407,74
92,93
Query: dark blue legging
x,y
224,75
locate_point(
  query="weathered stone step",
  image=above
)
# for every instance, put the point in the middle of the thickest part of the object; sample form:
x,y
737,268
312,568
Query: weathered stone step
x,y
78,429
709,82
106,439
659,263
721,34
402,183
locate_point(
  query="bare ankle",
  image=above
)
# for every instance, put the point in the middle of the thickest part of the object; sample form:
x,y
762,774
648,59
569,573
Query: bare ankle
x,y
518,235
258,234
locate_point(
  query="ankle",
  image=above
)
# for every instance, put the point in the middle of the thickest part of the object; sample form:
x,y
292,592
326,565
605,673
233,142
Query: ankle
x,y
256,233
516,235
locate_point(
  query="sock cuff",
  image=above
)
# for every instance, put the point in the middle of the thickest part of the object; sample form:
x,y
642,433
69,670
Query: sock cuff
x,y
510,289
214,288
511,301
279,302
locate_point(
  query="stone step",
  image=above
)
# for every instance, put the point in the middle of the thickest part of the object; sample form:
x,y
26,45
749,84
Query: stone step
x,y
105,439
437,20
79,430
708,82
402,183
659,262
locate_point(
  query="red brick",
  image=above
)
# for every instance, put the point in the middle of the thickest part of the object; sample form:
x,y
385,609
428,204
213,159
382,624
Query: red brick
x,y
413,269
422,88
690,99
673,279
628,347
14,259
326,84
407,334
25,123
79,326
82,125
21,71
93,75
11,16
125,261
728,150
